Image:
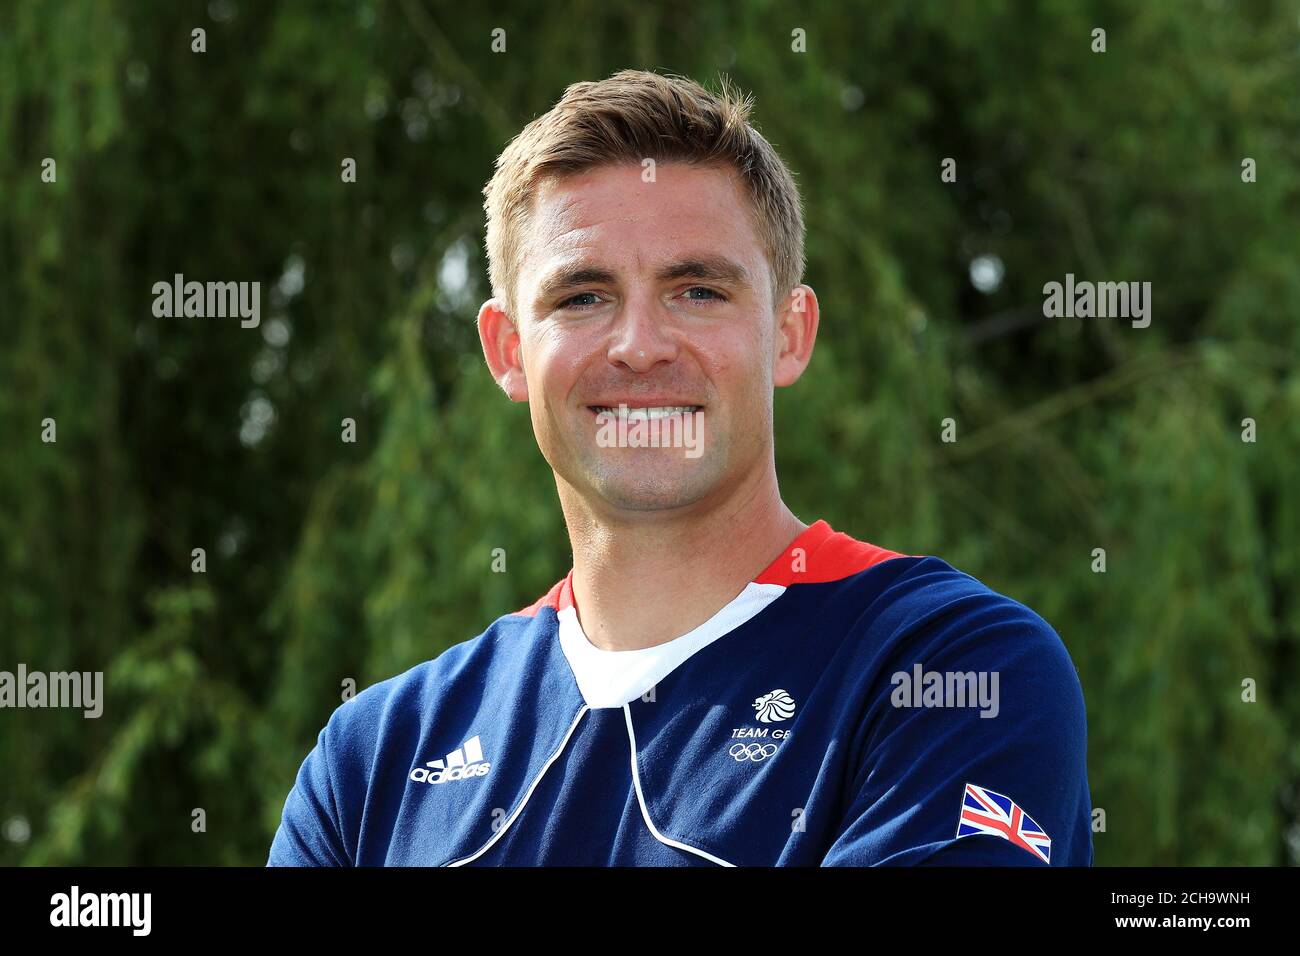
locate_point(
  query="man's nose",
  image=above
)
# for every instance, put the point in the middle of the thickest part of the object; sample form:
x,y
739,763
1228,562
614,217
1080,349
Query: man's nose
x,y
642,337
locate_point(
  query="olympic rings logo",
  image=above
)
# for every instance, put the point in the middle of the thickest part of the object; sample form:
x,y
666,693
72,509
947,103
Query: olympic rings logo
x,y
753,752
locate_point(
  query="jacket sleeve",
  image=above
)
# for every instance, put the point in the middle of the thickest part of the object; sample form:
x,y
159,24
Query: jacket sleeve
x,y
1021,744
310,832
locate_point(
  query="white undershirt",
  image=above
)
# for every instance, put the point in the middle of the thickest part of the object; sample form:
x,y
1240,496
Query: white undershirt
x,y
613,678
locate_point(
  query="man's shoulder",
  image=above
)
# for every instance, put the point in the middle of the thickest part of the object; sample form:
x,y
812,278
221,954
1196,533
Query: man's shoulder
x,y
939,597
897,606
956,687
930,622
900,590
411,698
927,590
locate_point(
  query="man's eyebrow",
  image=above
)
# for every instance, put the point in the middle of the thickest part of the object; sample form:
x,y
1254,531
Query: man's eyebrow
x,y
707,267
572,276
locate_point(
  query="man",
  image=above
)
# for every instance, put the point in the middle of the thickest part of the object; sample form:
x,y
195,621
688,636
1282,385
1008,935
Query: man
x,y
714,682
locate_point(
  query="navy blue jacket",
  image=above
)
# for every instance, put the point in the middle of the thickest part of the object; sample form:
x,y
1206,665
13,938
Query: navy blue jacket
x,y
852,706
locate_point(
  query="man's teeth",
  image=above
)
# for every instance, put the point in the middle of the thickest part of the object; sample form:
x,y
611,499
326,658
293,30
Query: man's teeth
x,y
633,414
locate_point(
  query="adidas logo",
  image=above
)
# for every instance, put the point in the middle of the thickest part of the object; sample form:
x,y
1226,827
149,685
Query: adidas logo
x,y
462,763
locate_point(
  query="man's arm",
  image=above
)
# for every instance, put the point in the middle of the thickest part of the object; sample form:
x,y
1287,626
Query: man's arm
x,y
309,833
1028,798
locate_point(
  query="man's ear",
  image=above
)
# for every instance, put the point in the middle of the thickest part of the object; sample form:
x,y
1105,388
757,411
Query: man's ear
x,y
796,331
500,341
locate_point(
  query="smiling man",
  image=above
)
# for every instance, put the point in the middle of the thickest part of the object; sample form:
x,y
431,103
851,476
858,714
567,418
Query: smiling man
x,y
715,681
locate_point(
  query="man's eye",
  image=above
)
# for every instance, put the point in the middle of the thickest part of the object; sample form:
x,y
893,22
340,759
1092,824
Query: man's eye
x,y
712,293
572,301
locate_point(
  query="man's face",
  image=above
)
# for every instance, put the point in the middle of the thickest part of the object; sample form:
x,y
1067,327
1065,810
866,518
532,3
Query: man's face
x,y
656,296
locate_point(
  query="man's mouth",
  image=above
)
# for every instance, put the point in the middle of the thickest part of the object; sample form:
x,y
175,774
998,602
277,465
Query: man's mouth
x,y
646,413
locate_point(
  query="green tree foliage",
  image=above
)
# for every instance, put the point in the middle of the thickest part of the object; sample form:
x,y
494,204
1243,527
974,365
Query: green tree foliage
x,y
329,561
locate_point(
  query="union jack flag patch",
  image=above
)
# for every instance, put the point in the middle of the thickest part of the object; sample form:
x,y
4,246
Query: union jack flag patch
x,y
983,811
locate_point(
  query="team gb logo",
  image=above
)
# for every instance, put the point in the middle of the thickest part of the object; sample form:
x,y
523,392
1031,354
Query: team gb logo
x,y
773,706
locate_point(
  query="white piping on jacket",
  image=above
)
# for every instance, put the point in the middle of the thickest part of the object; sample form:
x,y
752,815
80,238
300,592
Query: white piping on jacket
x,y
645,813
533,786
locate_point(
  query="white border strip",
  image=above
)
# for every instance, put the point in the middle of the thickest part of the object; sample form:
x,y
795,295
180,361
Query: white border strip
x,y
609,679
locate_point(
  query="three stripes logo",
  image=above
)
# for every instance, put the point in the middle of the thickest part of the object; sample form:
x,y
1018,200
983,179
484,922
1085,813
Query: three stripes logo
x,y
462,763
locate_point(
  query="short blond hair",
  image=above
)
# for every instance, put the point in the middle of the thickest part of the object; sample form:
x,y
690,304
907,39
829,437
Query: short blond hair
x,y
632,116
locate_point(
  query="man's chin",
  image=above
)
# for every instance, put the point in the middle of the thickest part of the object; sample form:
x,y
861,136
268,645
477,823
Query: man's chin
x,y
649,493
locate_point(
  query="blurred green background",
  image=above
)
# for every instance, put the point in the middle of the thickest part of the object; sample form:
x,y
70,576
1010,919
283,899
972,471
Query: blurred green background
x,y
329,561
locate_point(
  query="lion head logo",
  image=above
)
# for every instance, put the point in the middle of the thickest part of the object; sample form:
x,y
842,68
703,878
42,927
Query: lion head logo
x,y
773,706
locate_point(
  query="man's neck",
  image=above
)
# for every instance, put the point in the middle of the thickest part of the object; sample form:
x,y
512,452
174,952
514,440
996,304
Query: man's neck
x,y
639,582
